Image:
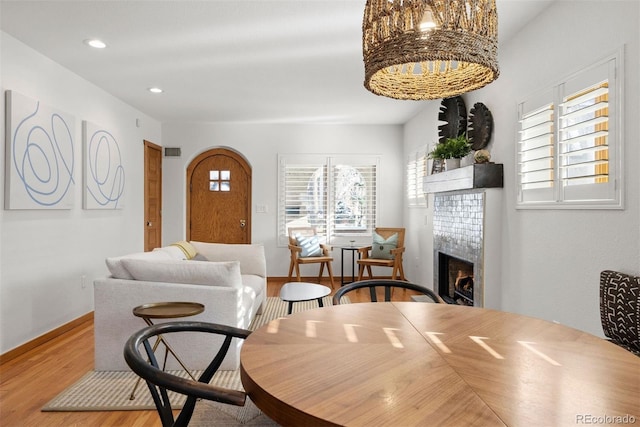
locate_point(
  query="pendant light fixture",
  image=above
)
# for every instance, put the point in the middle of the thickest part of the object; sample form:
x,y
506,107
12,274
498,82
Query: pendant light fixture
x,y
429,49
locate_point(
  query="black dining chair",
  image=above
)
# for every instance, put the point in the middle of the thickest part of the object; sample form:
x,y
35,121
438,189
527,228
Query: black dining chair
x,y
620,309
160,381
388,286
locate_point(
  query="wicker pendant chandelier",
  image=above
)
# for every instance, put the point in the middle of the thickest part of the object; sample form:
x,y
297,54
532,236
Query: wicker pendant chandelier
x,y
429,49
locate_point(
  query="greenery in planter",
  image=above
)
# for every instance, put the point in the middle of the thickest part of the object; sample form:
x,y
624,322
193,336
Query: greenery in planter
x,y
451,148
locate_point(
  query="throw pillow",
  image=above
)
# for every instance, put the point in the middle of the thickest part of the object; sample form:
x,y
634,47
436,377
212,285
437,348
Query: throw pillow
x,y
119,271
381,247
199,257
187,248
193,272
251,256
174,251
310,246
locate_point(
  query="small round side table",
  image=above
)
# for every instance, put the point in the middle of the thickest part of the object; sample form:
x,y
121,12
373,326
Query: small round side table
x,y
165,310
303,291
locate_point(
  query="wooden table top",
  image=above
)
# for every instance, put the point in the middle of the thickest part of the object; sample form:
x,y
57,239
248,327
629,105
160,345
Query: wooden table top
x,y
407,363
168,310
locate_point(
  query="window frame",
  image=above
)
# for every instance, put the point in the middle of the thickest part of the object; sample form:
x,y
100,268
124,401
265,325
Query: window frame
x,y
557,196
329,234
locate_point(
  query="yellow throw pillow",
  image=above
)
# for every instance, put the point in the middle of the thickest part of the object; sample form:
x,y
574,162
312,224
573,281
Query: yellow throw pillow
x,y
187,248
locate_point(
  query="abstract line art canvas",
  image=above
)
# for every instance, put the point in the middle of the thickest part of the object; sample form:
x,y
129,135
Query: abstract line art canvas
x,y
104,174
39,156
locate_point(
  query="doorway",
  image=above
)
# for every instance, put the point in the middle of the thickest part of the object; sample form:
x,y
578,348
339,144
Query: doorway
x,y
152,196
219,197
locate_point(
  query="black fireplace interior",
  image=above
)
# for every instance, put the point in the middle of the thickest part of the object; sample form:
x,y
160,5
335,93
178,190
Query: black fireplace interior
x,y
455,280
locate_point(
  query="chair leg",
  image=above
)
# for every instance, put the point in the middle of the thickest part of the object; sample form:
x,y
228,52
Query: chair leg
x,y
298,271
360,272
330,270
394,272
290,269
321,271
402,273
369,272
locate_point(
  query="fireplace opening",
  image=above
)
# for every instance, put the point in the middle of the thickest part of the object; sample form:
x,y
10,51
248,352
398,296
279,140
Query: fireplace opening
x,y
455,280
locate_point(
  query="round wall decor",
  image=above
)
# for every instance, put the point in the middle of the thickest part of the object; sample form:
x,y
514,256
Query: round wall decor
x,y
453,112
480,126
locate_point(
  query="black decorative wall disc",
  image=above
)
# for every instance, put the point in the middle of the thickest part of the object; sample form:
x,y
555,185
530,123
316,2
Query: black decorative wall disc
x,y
480,126
453,112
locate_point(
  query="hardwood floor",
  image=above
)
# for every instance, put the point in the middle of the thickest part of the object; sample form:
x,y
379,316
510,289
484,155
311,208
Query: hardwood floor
x,y
29,381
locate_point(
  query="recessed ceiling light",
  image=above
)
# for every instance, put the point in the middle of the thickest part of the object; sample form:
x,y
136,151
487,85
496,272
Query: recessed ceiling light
x,y
155,90
98,44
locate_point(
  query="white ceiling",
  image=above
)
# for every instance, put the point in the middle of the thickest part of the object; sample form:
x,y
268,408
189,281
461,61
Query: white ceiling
x,y
294,61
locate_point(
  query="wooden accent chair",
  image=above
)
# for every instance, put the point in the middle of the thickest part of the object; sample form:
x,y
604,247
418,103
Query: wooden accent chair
x,y
393,260
620,309
308,254
159,381
388,286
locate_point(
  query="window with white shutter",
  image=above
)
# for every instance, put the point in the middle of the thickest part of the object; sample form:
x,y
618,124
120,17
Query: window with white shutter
x,y
416,171
334,194
569,148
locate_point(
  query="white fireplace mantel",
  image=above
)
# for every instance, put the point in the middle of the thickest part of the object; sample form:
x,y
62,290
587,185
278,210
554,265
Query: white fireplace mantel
x,y
479,175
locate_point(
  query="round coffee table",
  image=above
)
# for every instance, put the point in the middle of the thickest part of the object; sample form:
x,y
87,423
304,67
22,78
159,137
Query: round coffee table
x,y
303,291
165,310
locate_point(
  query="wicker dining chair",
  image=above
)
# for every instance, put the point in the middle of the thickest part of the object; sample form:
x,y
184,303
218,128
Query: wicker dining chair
x,y
620,309
388,286
160,381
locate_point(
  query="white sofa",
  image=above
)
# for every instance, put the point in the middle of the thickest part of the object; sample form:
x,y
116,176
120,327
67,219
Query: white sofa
x,y
228,279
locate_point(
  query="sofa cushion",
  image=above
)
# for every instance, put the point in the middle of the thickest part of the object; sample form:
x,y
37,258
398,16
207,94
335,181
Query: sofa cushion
x,y
251,256
119,271
191,272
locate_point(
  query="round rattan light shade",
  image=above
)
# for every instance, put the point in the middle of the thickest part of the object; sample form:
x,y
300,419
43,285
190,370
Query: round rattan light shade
x,y
404,62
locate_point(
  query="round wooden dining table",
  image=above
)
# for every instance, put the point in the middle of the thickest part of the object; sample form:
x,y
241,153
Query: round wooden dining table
x,y
419,364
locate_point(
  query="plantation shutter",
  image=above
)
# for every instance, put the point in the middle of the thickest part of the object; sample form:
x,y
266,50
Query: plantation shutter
x,y
416,171
584,135
336,195
536,149
353,195
302,194
569,144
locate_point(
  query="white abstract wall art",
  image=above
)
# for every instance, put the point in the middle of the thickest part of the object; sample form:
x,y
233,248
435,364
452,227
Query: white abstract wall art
x,y
104,175
39,156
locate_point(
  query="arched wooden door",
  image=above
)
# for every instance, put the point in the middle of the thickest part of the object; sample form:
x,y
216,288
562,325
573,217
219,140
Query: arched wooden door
x,y
219,198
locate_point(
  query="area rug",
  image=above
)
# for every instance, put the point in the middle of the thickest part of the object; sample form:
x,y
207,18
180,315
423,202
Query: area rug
x,y
110,391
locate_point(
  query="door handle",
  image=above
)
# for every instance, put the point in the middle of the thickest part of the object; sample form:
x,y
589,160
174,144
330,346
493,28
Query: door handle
x,y
148,223
243,223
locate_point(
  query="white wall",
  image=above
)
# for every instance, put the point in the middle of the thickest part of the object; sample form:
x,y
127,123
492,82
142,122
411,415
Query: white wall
x,y
552,258
44,254
260,145
420,131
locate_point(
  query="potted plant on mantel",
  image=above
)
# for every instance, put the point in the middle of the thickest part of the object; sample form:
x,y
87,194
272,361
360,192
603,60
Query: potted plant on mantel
x,y
451,151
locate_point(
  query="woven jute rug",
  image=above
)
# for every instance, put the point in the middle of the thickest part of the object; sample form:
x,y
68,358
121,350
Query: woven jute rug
x,y
110,391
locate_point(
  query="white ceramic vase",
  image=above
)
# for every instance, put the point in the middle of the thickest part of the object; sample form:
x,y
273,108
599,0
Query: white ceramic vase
x,y
450,164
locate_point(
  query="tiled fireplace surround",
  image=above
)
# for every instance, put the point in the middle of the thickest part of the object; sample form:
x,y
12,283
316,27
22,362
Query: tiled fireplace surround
x,y
466,225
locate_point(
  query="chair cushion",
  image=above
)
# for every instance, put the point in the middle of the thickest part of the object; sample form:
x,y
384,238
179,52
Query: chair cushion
x,y
310,246
381,247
